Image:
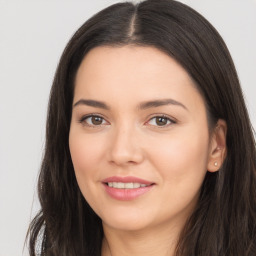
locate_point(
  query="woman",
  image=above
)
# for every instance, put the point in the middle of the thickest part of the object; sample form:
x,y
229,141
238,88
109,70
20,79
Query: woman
x,y
149,147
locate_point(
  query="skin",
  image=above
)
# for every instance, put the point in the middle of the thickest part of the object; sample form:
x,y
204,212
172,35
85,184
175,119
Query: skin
x,y
128,141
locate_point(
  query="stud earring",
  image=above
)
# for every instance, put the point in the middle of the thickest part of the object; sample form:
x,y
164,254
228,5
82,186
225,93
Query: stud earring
x,y
215,164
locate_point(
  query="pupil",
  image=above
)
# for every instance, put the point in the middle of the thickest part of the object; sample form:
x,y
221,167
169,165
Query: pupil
x,y
96,120
161,121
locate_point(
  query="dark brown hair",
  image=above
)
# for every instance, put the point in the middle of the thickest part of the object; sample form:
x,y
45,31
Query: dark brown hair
x,y
224,221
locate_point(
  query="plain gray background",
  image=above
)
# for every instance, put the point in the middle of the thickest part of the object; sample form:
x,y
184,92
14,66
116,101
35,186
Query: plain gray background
x,y
32,37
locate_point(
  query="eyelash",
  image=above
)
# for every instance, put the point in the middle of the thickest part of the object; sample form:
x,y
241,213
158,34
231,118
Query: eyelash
x,y
83,120
170,120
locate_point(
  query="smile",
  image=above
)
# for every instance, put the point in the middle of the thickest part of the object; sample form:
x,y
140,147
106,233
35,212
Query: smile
x,y
129,185
126,188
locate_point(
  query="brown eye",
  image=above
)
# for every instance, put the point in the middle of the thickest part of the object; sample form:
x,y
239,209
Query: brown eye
x,y
93,120
96,120
160,121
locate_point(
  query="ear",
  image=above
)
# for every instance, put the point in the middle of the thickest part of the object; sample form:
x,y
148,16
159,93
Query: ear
x,y
218,148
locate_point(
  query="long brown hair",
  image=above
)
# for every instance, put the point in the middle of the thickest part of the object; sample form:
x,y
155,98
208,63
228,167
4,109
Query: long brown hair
x,y
224,221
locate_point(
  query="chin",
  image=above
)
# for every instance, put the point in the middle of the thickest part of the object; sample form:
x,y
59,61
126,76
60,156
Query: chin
x,y
132,221
128,226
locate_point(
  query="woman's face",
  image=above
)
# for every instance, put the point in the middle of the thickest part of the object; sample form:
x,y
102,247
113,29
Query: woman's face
x,y
139,138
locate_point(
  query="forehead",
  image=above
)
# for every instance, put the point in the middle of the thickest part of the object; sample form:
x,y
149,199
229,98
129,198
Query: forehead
x,y
133,73
143,63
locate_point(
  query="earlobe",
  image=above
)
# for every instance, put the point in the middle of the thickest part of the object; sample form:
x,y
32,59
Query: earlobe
x,y
218,148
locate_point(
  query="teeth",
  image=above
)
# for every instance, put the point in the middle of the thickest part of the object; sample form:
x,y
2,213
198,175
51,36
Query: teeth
x,y
120,185
129,185
137,185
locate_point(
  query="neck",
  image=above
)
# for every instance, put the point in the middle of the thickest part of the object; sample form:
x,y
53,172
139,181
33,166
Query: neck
x,y
155,242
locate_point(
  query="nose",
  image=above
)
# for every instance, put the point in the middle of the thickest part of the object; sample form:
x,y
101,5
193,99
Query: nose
x,y
125,147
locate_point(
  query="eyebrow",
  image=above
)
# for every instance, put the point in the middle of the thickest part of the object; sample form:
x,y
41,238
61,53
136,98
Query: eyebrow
x,y
159,103
142,106
92,103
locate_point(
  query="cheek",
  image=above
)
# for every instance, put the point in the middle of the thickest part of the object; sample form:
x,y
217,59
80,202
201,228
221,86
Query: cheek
x,y
182,156
86,154
181,161
82,154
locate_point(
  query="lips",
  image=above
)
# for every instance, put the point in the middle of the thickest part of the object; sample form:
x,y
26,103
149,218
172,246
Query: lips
x,y
129,185
126,188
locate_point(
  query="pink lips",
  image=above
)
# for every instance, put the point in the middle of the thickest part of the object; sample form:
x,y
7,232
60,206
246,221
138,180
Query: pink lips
x,y
126,194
